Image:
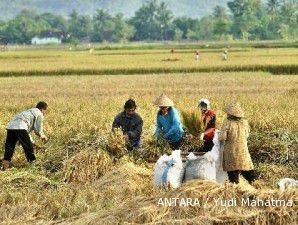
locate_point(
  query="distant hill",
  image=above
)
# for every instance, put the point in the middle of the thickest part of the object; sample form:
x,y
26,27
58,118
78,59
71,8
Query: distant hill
x,y
191,8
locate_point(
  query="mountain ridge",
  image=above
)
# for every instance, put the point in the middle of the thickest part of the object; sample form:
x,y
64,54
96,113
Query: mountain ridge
x,y
190,8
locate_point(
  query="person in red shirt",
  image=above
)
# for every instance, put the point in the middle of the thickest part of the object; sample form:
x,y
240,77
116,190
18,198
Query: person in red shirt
x,y
209,122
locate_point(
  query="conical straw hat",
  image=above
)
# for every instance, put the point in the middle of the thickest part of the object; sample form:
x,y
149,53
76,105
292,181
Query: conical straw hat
x,y
234,109
163,100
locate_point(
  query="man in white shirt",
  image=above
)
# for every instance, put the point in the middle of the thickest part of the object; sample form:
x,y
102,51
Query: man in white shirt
x,y
19,129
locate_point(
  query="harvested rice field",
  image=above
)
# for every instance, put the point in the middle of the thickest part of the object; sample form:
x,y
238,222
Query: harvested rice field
x,y
84,174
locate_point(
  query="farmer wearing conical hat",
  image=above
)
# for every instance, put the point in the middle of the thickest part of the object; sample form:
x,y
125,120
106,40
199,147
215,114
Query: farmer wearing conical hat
x,y
209,122
131,124
168,122
234,133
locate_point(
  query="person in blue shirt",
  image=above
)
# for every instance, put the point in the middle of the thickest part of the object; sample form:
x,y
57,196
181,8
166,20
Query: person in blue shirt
x,y
168,122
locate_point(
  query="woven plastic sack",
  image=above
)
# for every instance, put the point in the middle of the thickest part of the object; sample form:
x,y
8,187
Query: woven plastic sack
x,y
176,170
169,170
160,171
200,167
287,183
216,154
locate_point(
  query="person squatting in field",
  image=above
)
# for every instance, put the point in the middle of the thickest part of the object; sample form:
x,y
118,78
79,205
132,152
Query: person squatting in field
x,y
209,123
130,123
168,125
234,133
19,129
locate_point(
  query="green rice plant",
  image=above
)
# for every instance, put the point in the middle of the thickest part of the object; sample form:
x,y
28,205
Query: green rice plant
x,y
192,121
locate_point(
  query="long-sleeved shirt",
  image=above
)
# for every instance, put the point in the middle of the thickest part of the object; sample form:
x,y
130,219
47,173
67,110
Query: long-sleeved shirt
x,y
169,125
130,125
29,120
209,121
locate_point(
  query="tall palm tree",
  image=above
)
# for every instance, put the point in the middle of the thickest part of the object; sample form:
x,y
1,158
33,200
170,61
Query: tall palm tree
x,y
219,12
273,6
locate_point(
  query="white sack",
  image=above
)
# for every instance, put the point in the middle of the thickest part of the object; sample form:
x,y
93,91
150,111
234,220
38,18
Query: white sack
x,y
176,170
217,154
200,167
287,183
169,170
160,169
208,166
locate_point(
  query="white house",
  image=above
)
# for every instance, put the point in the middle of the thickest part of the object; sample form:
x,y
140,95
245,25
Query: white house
x,y
45,40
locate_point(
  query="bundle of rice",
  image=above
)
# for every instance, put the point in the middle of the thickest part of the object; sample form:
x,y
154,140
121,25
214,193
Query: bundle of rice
x,y
205,202
87,166
124,182
22,179
192,122
117,144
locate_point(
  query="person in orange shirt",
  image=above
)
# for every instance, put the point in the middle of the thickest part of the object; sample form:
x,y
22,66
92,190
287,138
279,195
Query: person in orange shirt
x,y
209,122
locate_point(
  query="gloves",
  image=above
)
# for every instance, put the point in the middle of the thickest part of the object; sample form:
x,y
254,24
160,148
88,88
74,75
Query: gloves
x,y
202,136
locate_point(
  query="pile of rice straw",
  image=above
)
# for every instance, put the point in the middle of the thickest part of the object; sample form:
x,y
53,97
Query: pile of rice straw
x,y
87,166
145,209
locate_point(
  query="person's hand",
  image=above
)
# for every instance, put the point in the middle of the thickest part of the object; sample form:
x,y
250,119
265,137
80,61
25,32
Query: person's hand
x,y
202,136
44,139
126,137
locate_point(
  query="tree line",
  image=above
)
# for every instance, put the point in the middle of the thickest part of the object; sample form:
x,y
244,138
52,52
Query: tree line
x,y
154,21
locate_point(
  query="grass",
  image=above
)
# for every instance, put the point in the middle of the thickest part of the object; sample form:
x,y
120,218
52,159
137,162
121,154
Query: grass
x,y
82,150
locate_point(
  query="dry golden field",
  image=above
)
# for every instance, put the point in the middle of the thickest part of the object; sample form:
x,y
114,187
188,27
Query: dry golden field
x,y
78,123
138,61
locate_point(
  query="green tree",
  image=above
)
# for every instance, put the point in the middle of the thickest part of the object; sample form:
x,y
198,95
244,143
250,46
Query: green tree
x,y
103,26
123,31
145,22
203,30
24,27
185,24
80,26
222,23
244,17
153,22
289,19
58,24
219,12
273,6
164,19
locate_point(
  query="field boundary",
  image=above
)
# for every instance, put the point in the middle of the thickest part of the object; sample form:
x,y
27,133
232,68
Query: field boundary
x,y
273,69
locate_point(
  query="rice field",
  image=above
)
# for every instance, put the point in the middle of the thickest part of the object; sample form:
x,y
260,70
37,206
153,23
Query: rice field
x,y
77,180
70,62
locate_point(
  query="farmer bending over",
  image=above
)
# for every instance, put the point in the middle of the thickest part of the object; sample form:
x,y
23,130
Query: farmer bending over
x,y
19,129
236,157
209,122
168,122
131,124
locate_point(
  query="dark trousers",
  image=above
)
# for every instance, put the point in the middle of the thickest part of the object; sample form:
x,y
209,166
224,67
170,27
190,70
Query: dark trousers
x,y
207,146
176,145
248,175
13,136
